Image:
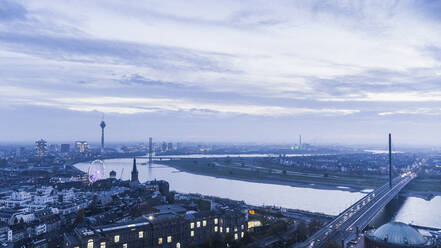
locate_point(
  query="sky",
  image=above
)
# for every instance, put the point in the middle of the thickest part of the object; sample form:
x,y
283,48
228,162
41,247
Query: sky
x,y
229,71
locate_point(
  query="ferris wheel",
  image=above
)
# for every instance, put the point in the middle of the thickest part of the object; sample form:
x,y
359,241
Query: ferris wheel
x,y
96,171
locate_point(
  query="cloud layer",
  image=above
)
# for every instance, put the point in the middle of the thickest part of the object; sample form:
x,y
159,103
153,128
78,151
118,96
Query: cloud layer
x,y
305,62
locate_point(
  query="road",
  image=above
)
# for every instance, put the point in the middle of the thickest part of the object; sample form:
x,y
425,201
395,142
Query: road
x,y
346,225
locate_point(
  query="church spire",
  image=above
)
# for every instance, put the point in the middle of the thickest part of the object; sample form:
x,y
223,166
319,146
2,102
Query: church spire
x,y
134,172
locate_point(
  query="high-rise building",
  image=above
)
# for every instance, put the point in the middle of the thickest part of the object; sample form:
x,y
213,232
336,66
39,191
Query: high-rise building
x,y
135,172
53,148
19,151
81,146
65,148
102,125
169,146
41,147
164,146
179,146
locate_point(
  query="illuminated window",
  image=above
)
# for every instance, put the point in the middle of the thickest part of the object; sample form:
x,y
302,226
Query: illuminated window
x,y
192,225
227,230
220,229
241,227
178,245
159,241
236,236
116,238
169,239
103,245
216,221
235,229
198,224
141,234
215,228
124,245
90,243
192,233
204,223
241,235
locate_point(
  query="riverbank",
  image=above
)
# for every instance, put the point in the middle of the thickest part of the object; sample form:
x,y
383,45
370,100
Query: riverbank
x,y
421,188
270,179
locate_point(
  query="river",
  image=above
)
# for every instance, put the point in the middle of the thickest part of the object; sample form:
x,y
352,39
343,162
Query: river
x,y
413,210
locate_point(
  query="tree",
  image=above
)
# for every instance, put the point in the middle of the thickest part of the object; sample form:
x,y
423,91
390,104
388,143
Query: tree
x,y
79,217
332,244
278,227
302,231
314,226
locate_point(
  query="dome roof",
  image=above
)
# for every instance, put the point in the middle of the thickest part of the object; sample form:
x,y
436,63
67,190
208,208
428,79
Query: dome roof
x,y
400,234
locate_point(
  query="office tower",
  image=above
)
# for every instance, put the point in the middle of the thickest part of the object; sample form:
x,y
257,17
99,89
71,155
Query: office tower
x,y
41,147
81,146
65,148
164,146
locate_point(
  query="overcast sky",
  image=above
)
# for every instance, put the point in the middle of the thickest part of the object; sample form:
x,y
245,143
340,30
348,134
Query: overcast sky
x,y
334,71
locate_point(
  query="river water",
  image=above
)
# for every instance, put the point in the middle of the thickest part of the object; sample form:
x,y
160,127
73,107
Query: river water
x,y
412,210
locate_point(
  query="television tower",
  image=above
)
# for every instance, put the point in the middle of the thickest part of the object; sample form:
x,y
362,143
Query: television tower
x,y
102,125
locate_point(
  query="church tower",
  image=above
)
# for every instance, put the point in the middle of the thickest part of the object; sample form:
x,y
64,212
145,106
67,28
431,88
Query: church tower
x,y
134,172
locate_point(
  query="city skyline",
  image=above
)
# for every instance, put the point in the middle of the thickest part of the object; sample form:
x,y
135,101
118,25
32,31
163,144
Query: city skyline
x,y
333,71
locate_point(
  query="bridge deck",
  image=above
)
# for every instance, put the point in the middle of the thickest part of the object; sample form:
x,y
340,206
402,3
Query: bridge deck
x,y
357,217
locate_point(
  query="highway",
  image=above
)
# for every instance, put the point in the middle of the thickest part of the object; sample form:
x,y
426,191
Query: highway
x,y
355,218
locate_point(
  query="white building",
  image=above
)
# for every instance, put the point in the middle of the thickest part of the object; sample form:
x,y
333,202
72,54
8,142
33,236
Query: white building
x,y
17,199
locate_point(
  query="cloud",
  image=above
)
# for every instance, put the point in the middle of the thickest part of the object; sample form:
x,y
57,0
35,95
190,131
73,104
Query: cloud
x,y
418,111
10,10
355,60
121,105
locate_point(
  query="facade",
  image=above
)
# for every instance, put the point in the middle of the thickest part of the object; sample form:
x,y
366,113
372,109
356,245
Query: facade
x,y
17,199
65,148
166,230
164,147
41,147
163,186
81,146
394,235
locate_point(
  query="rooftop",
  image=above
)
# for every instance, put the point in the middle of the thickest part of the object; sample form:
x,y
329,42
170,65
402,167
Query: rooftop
x,y
398,233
